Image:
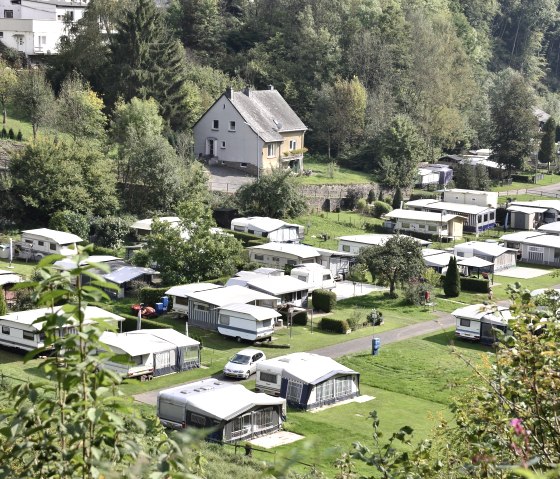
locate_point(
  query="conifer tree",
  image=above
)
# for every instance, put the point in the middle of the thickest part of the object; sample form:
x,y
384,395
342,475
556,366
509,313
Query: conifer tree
x,y
3,305
147,63
452,280
397,199
547,150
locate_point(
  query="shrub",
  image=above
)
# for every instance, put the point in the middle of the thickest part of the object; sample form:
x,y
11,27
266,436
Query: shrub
x,y
375,317
4,133
397,199
357,320
415,292
111,231
72,222
432,195
334,325
375,228
100,250
380,208
141,257
324,300
11,134
3,305
151,296
19,136
361,205
475,285
451,280
371,196
353,194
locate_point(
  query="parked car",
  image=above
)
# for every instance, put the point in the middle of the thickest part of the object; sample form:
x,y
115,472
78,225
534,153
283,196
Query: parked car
x,y
244,363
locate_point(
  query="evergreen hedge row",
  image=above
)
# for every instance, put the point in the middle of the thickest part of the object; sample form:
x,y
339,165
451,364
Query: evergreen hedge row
x,y
324,300
474,285
334,325
150,296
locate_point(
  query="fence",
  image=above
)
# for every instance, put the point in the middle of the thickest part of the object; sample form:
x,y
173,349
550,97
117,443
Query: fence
x,y
527,191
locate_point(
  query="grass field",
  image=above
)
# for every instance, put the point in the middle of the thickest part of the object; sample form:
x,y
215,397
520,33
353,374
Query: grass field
x,y
19,266
517,185
340,176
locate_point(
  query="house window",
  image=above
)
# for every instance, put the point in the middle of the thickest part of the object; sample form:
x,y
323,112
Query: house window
x,y
465,322
271,149
215,124
29,335
52,246
41,243
293,144
243,165
223,144
231,126
224,319
406,225
259,257
268,378
346,248
432,228
8,14
5,330
294,391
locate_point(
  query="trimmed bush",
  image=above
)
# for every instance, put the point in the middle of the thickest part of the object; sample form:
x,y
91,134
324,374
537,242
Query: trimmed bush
x,y
11,134
431,195
380,208
475,285
19,136
151,296
324,300
334,325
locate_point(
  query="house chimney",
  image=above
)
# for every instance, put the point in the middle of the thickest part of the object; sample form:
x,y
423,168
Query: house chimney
x,y
247,91
271,87
229,92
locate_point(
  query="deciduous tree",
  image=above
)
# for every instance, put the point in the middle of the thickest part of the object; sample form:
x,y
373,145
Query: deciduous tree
x,y
8,80
547,150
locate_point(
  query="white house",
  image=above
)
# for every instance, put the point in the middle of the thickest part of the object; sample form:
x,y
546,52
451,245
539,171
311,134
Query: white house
x,y
230,411
279,255
426,177
251,130
354,243
541,249
478,321
34,27
150,352
426,222
500,256
19,329
307,380
180,294
38,243
471,197
477,218
275,230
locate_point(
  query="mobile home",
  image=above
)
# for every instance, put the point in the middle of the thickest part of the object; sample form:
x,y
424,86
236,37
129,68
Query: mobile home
x,y
288,289
500,256
274,230
230,411
315,275
7,280
150,352
478,321
124,276
38,243
20,329
307,380
247,322
180,295
279,255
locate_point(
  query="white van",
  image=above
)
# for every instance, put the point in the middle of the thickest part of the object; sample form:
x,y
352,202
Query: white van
x,y
247,322
315,275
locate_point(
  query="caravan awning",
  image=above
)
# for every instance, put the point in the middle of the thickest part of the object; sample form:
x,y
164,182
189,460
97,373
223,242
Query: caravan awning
x,y
474,262
146,341
526,209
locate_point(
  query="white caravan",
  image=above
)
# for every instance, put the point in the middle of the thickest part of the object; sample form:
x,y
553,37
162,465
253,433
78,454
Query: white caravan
x,y
247,322
315,275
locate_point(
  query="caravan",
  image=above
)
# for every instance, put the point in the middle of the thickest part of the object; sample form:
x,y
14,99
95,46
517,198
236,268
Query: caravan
x,y
478,322
315,275
247,322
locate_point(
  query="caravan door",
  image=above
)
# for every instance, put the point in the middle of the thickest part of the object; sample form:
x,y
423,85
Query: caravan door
x,y
164,362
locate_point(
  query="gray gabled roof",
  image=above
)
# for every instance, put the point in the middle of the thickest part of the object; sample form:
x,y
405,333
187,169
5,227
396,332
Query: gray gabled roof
x,y
267,113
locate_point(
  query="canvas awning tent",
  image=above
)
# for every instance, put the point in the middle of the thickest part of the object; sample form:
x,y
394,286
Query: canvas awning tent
x,y
258,312
278,285
145,341
128,273
313,369
526,209
71,263
474,262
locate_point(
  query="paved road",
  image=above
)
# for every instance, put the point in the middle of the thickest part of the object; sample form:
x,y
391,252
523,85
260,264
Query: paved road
x,y
354,346
444,321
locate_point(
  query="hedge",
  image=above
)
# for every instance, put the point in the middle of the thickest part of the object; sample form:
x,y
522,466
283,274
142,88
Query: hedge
x,y
151,296
299,318
474,285
334,325
324,300
430,195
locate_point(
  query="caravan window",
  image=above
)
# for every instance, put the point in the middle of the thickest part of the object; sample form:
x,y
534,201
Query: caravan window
x,y
201,307
465,322
343,386
251,232
326,277
269,378
325,390
224,319
266,323
346,248
239,228
53,246
198,419
259,257
294,391
29,336
181,301
5,330
302,278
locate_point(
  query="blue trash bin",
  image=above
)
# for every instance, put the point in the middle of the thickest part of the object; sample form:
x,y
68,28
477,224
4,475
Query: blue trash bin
x,y
159,308
165,301
375,345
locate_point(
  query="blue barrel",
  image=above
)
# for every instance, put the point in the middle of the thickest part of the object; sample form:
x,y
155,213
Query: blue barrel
x,y
165,301
375,345
159,308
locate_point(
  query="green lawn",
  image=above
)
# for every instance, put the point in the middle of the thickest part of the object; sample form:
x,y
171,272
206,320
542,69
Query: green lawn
x,y
413,383
20,266
517,185
340,176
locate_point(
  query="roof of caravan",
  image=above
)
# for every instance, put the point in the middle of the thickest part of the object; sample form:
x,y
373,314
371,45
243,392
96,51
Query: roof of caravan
x,y
221,400
474,262
128,273
263,223
301,250
278,285
9,277
520,236
376,239
91,314
145,341
552,241
308,367
490,249
184,290
258,312
548,204
478,312
421,215
454,207
60,237
229,295
550,227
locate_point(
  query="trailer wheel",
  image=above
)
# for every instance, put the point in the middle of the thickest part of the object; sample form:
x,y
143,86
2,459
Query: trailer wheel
x,y
238,339
143,378
270,339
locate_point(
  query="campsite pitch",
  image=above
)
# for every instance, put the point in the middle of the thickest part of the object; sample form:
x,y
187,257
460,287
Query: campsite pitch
x,y
278,438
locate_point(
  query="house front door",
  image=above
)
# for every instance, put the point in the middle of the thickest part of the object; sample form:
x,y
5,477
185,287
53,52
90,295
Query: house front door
x,y
210,150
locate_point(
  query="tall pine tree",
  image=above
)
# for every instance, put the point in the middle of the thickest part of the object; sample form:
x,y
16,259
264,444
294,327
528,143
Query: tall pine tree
x,y
147,63
452,280
547,150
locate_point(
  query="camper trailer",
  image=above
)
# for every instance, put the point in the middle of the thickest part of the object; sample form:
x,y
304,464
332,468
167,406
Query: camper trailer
x,y
307,380
477,322
315,275
230,411
148,353
247,322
